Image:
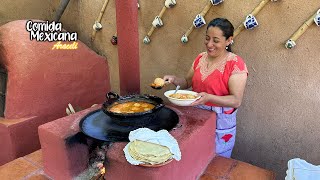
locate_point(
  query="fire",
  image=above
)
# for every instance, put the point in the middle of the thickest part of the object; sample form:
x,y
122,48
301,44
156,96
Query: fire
x,y
103,171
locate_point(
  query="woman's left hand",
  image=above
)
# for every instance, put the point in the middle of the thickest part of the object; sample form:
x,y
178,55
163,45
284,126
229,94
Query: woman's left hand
x,y
204,99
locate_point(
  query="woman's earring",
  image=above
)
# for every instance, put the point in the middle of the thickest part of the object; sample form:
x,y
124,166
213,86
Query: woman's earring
x,y
227,47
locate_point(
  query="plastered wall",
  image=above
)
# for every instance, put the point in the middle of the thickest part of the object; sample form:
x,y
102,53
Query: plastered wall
x,y
278,119
29,9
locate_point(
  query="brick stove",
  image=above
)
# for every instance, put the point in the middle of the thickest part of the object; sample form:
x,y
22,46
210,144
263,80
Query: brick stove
x,y
40,83
195,138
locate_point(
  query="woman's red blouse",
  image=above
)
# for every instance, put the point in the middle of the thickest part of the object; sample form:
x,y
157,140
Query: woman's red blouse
x,y
214,79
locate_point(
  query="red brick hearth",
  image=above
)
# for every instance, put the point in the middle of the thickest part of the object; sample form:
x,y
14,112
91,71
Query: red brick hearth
x,y
195,138
40,84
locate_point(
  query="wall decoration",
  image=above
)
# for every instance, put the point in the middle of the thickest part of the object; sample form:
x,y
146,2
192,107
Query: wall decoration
x,y
292,40
157,22
199,20
317,18
97,26
114,39
250,21
70,110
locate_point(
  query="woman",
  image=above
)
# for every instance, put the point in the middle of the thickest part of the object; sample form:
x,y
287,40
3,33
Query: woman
x,y
219,76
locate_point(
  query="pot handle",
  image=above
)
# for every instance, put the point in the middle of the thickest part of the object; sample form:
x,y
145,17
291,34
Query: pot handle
x,y
155,99
111,97
159,106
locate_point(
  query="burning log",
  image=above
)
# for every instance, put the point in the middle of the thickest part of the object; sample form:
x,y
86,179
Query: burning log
x,y
101,173
97,156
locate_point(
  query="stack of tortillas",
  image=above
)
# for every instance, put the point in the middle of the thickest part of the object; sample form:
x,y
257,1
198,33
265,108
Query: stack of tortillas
x,y
150,148
149,153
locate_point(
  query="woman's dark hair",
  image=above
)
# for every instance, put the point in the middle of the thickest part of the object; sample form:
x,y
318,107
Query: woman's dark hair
x,y
225,26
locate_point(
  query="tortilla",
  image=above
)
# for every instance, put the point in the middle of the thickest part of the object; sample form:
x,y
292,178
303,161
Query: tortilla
x,y
149,152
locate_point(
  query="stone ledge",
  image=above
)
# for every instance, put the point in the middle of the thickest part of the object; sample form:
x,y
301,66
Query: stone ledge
x,y
225,168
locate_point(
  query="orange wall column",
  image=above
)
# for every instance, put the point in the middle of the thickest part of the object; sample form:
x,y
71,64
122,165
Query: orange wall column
x,y
128,46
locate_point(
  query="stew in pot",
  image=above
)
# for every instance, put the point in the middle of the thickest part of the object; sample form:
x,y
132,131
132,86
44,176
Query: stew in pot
x,y
131,107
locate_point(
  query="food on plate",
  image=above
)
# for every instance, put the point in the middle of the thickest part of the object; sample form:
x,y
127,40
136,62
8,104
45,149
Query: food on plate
x,y
132,107
149,153
183,96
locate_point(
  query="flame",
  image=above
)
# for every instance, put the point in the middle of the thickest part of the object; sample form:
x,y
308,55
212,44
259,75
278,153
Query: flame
x,y
103,170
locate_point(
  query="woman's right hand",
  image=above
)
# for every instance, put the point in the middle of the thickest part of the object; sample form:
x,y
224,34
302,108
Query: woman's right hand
x,y
170,79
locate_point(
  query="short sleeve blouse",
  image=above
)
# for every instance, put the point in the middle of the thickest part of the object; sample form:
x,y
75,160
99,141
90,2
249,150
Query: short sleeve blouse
x,y
214,80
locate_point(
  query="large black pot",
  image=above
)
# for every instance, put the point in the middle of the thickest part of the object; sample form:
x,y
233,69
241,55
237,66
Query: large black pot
x,y
139,119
